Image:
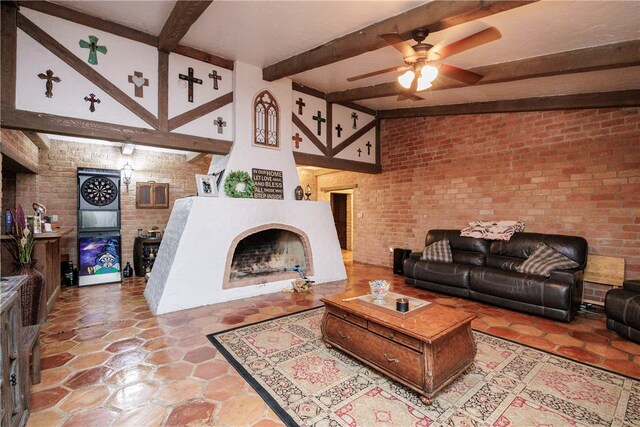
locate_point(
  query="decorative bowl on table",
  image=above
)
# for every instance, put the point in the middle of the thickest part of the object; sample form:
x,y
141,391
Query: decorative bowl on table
x,y
379,290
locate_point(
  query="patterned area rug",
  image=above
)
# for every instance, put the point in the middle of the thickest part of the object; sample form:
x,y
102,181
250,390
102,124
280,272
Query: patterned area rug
x,y
306,384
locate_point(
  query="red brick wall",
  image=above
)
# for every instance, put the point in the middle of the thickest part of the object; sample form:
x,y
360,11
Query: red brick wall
x,y
57,185
572,172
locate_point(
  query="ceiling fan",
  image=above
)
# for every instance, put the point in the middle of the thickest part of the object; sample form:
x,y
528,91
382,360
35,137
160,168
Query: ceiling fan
x,y
422,60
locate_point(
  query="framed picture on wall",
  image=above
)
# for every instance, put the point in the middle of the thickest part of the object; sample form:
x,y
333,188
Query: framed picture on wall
x,y
206,186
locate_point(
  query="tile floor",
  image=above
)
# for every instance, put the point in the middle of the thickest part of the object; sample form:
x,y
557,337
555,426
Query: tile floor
x,y
107,361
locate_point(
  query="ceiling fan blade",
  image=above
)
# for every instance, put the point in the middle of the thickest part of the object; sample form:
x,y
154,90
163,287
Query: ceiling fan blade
x,y
485,36
375,73
408,54
464,76
411,96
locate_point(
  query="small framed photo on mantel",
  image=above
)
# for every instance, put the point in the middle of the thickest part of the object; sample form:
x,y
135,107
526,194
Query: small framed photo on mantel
x,y
206,186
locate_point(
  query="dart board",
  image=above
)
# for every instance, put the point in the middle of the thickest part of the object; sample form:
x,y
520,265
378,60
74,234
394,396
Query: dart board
x,y
99,191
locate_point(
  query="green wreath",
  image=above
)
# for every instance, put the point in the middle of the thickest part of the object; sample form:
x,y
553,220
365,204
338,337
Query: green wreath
x,y
234,180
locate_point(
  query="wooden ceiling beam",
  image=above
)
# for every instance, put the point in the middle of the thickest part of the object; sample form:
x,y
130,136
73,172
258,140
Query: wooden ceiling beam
x,y
434,16
39,139
611,56
305,159
623,98
182,17
12,118
192,157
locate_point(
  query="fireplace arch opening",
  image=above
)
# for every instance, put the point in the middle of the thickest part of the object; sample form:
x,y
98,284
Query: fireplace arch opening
x,y
267,254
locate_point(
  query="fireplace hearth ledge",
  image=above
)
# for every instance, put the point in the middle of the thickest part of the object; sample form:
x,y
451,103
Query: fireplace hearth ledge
x,y
189,270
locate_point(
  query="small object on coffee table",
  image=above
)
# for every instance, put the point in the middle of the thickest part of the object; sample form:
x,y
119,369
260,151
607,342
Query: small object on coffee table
x,y
379,290
402,305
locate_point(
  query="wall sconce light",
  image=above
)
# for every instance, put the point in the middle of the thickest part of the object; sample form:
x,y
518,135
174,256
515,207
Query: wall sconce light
x,y
127,173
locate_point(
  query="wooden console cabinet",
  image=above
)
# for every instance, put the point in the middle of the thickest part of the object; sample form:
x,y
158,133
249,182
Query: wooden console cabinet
x,y
425,352
14,382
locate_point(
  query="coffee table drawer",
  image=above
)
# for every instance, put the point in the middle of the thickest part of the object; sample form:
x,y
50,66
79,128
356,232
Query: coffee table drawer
x,y
395,336
350,317
398,360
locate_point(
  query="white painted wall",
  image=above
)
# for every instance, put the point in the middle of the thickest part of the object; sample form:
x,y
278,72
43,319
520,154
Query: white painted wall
x,y
244,155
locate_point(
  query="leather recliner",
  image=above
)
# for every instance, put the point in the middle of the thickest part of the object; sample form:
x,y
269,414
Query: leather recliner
x,y
485,270
622,307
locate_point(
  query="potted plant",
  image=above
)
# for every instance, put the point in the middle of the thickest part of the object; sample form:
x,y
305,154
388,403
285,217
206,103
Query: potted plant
x,y
22,251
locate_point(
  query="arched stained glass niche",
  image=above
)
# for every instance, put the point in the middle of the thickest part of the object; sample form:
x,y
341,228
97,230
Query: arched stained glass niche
x,y
266,121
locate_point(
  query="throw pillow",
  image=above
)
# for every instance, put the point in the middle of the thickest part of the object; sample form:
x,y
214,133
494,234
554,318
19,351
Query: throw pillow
x,y
544,260
438,251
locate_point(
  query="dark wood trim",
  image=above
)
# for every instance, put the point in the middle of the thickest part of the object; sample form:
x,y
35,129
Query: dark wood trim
x,y
329,109
378,144
90,21
360,108
196,113
163,91
353,138
611,56
306,159
80,66
182,17
203,56
9,46
192,157
308,90
339,188
50,123
624,98
435,16
310,135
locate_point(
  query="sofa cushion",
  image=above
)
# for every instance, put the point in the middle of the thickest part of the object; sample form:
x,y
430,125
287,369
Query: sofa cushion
x,y
504,262
544,260
457,242
473,258
438,251
623,306
522,245
450,274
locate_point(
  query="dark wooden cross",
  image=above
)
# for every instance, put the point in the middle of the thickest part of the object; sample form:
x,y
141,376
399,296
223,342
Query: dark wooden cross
x,y
138,83
214,75
297,139
354,116
93,100
320,120
93,47
368,144
339,129
359,152
220,123
50,78
189,78
300,104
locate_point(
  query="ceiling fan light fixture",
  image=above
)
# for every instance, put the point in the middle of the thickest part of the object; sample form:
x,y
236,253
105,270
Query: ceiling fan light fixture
x,y
429,72
406,79
423,84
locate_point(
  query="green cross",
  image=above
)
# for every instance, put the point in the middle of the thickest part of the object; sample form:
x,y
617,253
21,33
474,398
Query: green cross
x,y
92,45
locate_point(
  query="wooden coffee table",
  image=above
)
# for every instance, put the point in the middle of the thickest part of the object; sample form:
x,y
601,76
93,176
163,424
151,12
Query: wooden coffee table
x,y
424,351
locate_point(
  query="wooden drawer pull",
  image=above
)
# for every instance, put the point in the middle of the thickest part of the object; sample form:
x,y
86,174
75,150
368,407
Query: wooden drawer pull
x,y
391,335
391,359
345,315
343,335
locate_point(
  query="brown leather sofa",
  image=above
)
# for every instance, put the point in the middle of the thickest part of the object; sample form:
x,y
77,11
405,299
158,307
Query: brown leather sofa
x,y
485,270
622,307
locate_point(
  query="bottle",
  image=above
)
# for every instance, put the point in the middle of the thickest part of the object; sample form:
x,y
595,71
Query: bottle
x,y
37,224
127,271
8,222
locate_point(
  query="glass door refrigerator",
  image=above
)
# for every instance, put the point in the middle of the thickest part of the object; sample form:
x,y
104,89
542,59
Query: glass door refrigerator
x,y
99,245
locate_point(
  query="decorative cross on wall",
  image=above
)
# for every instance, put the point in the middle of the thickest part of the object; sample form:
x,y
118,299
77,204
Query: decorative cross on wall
x,y
300,104
297,139
50,78
191,80
320,120
220,123
214,75
354,116
93,47
93,100
339,129
368,144
138,83
359,152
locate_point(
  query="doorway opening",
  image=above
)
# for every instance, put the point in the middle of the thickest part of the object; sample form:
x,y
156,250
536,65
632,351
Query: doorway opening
x,y
342,209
